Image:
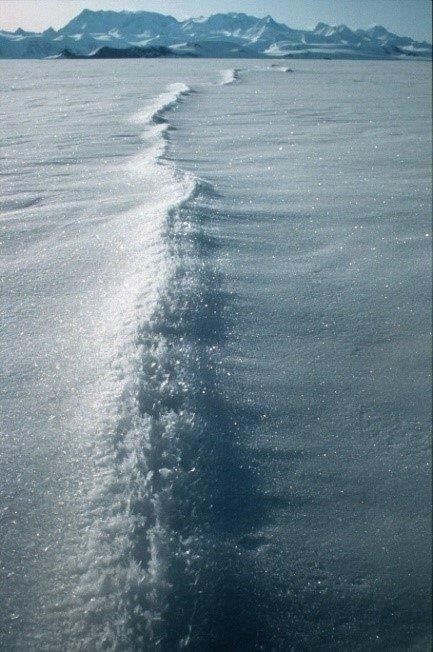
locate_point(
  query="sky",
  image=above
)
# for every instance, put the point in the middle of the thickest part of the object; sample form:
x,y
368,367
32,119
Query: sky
x,y
405,17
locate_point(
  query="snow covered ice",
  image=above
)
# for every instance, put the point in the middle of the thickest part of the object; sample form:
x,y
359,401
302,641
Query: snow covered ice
x,y
215,355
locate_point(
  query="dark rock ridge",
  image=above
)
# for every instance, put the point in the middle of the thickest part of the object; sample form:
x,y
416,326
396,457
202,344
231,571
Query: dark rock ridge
x,y
135,52
143,34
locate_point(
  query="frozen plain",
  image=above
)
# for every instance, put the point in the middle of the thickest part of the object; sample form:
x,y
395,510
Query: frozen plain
x,y
215,355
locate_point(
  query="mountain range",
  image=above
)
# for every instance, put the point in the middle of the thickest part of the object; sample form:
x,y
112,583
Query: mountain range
x,y
220,35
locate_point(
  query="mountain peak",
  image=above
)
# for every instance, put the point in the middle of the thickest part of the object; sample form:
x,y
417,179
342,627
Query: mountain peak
x,y
219,35
86,12
378,29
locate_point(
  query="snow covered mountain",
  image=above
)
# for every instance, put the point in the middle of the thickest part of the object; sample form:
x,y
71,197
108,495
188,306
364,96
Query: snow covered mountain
x,y
220,35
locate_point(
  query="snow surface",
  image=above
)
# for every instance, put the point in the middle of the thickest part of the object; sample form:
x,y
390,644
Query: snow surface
x,y
229,76
215,356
